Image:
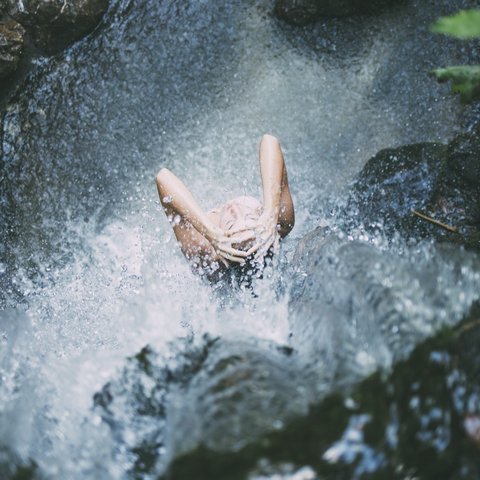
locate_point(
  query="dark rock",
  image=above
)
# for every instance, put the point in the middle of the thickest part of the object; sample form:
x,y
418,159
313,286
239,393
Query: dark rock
x,y
349,302
244,389
302,12
12,467
458,188
136,402
421,421
54,24
12,40
438,181
3,6
464,159
393,183
297,12
220,394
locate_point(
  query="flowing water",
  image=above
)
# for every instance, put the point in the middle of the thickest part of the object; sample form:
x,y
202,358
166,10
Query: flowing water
x,y
90,272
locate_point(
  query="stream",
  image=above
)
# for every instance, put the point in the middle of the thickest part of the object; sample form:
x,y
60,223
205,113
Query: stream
x,y
90,272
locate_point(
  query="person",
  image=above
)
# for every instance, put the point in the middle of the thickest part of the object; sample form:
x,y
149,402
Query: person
x,y
242,231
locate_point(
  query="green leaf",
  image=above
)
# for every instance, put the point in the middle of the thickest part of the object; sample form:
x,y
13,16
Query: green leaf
x,y
465,80
465,24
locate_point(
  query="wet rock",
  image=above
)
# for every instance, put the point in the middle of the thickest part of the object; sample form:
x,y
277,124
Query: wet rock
x,y
297,12
302,12
463,155
393,183
398,188
457,192
243,390
421,421
54,24
12,41
136,403
219,394
12,467
355,307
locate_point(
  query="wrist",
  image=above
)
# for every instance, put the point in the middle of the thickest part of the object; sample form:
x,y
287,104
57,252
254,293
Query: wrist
x,y
270,213
212,233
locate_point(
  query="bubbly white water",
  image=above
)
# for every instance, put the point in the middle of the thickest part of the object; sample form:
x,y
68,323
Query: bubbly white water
x,y
94,273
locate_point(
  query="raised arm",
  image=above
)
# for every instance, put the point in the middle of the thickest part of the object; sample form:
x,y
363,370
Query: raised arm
x,y
278,217
197,234
277,201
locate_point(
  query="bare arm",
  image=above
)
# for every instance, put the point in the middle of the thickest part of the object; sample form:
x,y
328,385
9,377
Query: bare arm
x,y
278,215
277,201
197,234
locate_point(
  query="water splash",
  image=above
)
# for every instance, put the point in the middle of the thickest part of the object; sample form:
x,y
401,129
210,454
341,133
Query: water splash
x,y
90,272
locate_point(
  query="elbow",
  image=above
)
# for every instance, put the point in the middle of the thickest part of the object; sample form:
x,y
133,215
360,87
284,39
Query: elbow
x,y
288,227
267,137
292,222
161,176
283,232
161,180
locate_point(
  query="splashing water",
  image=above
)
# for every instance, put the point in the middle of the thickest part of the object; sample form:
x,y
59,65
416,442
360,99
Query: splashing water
x,y
90,271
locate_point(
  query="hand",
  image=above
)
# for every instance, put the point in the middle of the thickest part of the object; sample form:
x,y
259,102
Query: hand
x,y
266,235
223,246
242,239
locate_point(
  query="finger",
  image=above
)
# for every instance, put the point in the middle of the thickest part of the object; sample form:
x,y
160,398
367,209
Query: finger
x,y
227,242
232,251
243,237
232,258
230,233
225,262
264,248
260,246
253,249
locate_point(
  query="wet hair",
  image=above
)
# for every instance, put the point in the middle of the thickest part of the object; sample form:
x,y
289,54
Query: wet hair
x,y
241,212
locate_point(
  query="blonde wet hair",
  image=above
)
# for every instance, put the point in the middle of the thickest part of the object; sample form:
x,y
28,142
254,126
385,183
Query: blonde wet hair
x,y
241,212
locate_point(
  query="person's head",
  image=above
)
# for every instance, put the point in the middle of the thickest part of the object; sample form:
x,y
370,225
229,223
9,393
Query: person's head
x,y
241,213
